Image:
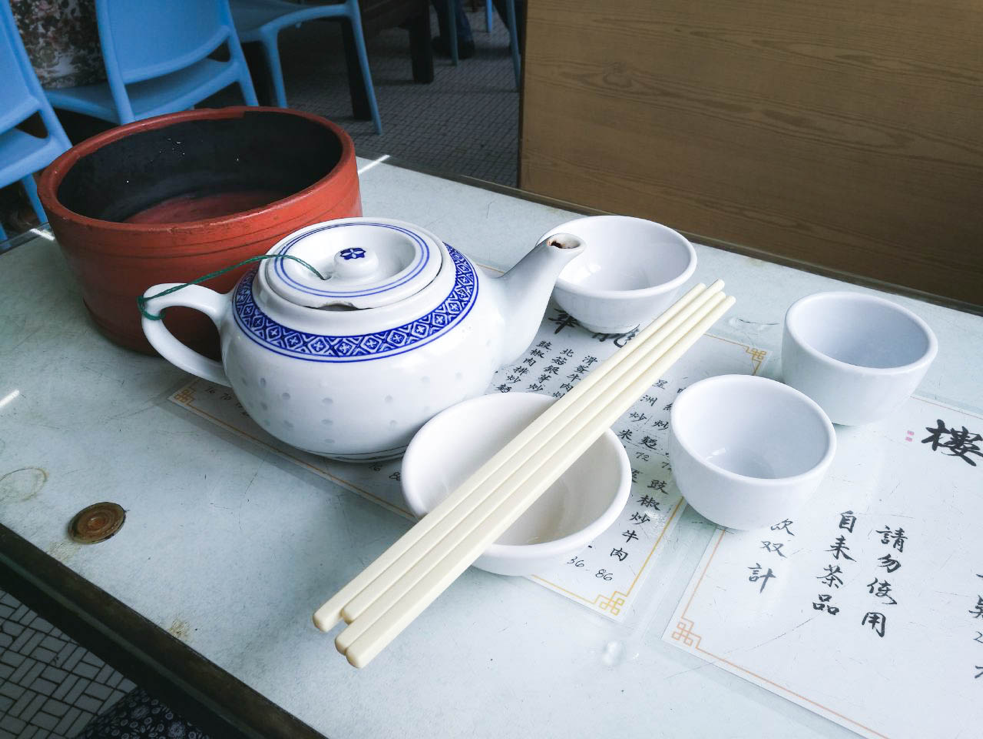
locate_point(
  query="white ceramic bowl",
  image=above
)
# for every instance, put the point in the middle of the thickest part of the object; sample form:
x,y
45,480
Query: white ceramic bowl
x,y
630,272
859,356
579,506
747,452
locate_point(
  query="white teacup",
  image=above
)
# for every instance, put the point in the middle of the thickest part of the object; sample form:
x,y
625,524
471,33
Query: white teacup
x,y
629,273
859,356
747,452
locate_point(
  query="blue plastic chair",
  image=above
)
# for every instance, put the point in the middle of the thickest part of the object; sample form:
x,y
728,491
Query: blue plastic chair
x,y
452,29
21,97
513,40
262,21
157,61
513,34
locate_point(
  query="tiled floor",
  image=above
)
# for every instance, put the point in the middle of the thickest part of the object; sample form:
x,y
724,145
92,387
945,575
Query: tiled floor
x,y
49,685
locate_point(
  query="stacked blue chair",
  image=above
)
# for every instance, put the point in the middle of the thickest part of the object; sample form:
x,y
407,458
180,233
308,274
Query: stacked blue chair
x,y
158,57
514,40
262,20
21,97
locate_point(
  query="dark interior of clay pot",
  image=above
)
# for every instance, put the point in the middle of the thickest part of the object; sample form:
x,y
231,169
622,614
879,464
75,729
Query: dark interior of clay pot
x,y
200,169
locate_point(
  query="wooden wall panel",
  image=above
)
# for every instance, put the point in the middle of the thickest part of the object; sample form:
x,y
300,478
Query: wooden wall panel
x,y
845,133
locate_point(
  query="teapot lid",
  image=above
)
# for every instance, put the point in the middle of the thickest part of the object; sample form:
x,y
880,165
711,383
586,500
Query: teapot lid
x,y
366,263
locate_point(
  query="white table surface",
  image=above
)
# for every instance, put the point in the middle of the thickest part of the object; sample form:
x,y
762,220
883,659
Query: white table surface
x,y
232,548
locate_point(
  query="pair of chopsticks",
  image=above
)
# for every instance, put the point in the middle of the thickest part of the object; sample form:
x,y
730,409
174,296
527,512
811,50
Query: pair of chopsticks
x,y
392,591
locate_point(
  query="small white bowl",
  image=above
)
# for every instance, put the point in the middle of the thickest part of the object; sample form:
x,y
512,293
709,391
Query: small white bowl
x,y
577,508
746,451
859,356
630,272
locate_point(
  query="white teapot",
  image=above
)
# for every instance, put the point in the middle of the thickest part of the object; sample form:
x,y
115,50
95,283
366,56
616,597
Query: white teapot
x,y
350,366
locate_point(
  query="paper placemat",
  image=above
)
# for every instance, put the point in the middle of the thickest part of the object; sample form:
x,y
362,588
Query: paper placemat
x,y
608,574
867,608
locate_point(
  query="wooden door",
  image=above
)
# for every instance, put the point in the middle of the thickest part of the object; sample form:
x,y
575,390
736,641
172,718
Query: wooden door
x,y
845,134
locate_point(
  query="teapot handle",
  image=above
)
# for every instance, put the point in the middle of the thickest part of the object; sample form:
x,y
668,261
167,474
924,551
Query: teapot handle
x,y
212,304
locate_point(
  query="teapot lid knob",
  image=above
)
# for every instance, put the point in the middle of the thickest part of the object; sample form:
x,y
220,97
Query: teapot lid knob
x,y
354,262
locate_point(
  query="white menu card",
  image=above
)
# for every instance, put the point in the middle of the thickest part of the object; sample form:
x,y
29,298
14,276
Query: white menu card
x,y
867,606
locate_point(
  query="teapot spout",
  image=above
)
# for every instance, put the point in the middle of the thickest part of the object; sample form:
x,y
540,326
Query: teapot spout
x,y
524,290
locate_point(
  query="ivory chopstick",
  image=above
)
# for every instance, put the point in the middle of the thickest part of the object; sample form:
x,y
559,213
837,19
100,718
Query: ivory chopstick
x,y
416,570
525,445
409,569
643,351
395,614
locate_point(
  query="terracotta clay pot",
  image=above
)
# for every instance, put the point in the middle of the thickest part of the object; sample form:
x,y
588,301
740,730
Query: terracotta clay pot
x,y
172,198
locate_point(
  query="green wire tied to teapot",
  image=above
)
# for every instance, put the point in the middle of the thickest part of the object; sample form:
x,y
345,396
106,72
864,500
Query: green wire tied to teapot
x,y
142,301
